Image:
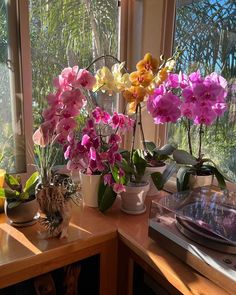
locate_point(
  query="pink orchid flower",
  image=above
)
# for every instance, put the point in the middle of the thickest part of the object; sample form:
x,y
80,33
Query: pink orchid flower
x,y
66,124
85,79
118,188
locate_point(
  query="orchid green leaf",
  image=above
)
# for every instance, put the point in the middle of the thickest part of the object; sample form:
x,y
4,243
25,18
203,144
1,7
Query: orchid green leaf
x,y
166,150
157,180
220,178
139,162
13,204
183,175
12,182
169,171
31,183
183,157
8,193
150,146
106,197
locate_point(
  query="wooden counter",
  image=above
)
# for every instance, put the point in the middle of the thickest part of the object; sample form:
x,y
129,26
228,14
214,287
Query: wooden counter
x,y
25,253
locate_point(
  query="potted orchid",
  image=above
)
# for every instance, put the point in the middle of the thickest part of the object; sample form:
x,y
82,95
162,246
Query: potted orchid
x,y
197,101
157,170
149,73
91,149
136,87
95,153
20,204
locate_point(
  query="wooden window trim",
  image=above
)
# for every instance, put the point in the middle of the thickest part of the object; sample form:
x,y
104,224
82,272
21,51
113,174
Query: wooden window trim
x,y
26,84
146,26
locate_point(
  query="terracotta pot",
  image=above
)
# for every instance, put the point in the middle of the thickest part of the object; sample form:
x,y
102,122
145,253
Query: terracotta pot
x,y
24,214
89,189
200,180
147,177
133,199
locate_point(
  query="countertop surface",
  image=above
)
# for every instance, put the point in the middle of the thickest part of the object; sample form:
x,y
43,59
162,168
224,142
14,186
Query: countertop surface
x,y
22,249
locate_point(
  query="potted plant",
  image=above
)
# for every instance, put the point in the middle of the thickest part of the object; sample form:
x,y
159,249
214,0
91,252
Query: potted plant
x,y
21,206
136,188
197,101
196,172
93,151
149,73
137,180
54,191
157,172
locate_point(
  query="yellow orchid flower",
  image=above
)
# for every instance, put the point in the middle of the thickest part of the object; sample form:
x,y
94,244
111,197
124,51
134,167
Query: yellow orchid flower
x,y
170,65
142,78
104,81
161,76
134,95
148,63
121,80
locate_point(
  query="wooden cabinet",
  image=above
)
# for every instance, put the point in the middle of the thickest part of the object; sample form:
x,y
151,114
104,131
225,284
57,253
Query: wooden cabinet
x,y
136,277
128,259
71,279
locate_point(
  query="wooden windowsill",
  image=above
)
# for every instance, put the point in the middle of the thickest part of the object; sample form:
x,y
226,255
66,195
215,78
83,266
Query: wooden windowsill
x,y
25,253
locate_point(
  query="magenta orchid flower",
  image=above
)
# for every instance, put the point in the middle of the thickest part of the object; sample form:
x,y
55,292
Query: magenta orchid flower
x,y
197,98
164,108
100,116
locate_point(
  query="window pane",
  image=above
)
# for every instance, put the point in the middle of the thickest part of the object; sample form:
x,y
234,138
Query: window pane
x,y
12,145
68,33
206,30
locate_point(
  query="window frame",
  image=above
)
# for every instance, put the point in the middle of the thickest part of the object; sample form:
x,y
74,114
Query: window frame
x,y
137,19
21,87
25,58
135,41
168,42
146,26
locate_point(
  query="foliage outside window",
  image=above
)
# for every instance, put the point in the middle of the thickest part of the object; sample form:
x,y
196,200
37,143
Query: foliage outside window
x,y
12,141
65,33
206,31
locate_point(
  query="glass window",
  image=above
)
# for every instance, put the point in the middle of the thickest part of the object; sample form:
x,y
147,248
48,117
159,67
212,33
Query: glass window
x,y
12,141
68,33
206,31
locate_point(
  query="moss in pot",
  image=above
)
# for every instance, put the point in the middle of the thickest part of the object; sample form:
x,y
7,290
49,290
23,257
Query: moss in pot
x,y
21,206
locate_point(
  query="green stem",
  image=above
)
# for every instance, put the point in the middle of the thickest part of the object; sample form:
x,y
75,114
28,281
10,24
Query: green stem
x,y
133,136
104,57
200,142
141,127
189,137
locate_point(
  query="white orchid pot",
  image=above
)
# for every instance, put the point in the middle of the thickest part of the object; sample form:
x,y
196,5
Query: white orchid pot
x,y
89,189
147,177
133,199
200,180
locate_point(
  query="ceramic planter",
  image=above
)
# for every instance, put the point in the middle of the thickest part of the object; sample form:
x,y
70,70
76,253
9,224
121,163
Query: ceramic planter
x,y
200,180
24,214
89,187
147,177
133,199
